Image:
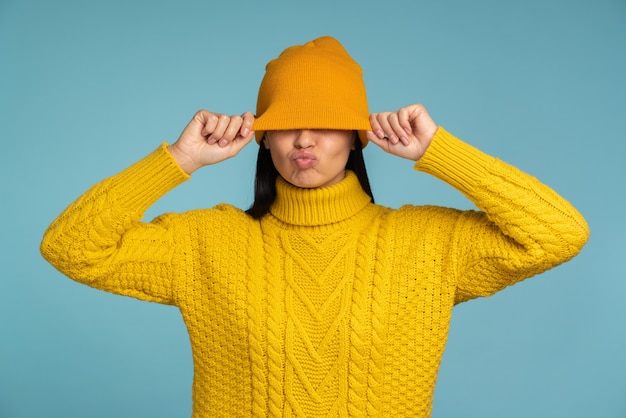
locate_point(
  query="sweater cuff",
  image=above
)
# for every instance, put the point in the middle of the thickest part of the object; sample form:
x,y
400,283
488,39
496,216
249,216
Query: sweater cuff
x,y
454,161
150,178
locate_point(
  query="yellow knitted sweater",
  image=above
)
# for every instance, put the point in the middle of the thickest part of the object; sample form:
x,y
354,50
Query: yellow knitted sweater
x,y
329,305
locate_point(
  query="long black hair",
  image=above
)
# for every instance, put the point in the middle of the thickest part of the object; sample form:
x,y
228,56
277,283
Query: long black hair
x,y
266,175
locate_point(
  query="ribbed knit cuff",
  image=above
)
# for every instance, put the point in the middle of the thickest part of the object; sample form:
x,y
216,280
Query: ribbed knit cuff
x,y
454,161
146,181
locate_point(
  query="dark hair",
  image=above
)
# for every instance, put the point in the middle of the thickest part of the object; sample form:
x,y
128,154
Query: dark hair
x,y
266,175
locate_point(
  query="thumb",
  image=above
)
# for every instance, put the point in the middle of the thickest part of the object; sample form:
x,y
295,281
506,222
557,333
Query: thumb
x,y
242,141
381,142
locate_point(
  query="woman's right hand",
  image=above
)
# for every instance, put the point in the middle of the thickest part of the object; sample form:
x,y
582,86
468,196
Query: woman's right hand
x,y
210,138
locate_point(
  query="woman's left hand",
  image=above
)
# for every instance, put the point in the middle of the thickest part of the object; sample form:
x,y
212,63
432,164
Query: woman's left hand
x,y
406,133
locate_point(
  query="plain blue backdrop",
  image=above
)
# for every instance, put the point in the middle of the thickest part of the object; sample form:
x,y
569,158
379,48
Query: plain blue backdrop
x,y
87,88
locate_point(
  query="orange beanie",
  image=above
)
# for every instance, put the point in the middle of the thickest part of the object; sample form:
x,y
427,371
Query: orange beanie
x,y
313,86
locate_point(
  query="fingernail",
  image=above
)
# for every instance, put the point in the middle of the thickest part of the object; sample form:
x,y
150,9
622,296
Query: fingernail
x,y
245,132
380,133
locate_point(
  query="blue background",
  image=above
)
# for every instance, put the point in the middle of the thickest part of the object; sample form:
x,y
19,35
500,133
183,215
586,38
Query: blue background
x,y
87,88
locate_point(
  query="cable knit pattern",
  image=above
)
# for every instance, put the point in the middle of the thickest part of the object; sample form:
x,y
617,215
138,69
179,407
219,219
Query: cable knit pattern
x,y
329,305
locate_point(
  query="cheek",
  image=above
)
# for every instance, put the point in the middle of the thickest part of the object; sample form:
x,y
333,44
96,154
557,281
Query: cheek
x,y
278,159
341,154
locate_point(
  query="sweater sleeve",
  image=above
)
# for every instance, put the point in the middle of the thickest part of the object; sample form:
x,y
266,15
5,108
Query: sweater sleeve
x,y
522,227
99,240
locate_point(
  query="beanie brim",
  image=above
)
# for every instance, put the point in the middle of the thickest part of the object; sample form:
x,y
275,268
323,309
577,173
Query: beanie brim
x,y
274,118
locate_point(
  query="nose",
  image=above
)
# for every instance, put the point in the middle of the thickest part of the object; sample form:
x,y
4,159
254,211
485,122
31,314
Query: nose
x,y
304,139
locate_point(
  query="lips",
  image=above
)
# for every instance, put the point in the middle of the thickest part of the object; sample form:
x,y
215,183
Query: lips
x,y
304,159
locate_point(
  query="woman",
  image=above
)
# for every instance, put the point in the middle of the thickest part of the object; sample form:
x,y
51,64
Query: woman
x,y
316,301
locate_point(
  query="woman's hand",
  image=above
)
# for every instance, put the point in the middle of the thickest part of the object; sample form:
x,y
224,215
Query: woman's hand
x,y
406,133
210,138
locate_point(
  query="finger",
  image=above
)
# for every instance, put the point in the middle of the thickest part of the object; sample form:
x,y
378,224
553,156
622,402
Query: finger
x,y
383,143
422,124
376,128
236,144
220,128
242,141
208,120
398,122
404,118
232,130
246,126
387,120
398,133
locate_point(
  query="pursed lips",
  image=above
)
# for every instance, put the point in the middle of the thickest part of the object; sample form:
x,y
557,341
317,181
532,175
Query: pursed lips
x,y
304,159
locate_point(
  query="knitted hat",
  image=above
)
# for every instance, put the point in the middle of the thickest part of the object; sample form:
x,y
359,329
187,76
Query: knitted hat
x,y
313,86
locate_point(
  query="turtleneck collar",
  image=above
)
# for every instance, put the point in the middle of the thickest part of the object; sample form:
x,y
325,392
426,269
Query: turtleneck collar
x,y
320,206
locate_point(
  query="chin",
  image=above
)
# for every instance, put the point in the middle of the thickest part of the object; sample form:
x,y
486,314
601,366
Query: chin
x,y
304,182
312,180
306,185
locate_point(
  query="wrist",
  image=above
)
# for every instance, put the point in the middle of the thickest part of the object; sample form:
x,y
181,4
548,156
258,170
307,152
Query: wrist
x,y
185,162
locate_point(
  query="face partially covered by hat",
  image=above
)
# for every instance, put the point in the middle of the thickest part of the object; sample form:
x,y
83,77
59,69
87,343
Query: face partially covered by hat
x,y
313,86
